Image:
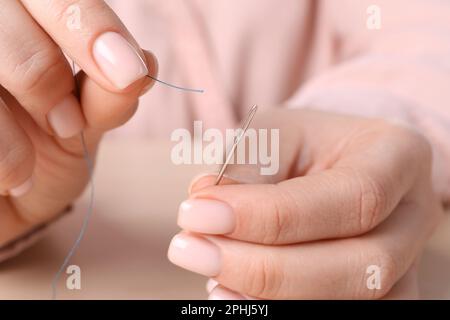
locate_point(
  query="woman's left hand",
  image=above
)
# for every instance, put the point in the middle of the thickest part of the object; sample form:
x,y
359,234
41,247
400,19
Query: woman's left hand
x,y
351,204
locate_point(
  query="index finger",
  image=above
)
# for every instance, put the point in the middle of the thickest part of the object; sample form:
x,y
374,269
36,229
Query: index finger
x,y
94,37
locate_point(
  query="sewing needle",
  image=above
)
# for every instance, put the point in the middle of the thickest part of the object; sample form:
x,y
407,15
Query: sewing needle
x,y
237,139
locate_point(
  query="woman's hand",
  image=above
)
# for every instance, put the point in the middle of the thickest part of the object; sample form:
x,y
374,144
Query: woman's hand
x,y
351,195
42,166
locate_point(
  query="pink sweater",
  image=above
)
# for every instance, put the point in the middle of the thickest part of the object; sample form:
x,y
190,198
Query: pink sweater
x,y
297,53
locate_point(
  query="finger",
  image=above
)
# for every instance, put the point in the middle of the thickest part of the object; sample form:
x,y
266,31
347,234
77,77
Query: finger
x,y
210,285
222,293
105,110
34,70
16,156
208,179
92,35
349,199
53,186
337,269
407,288
218,292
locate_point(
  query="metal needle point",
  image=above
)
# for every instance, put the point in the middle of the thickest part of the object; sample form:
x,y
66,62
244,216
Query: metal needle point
x,y
237,139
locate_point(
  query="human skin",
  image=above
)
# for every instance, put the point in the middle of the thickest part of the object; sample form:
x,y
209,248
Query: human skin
x,y
351,192
42,166
42,169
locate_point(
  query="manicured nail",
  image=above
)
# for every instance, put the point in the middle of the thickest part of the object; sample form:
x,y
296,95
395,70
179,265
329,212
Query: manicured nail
x,y
66,118
211,284
221,293
195,254
118,60
206,216
22,189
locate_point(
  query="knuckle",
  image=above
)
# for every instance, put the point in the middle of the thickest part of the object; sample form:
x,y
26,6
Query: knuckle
x,y
281,221
275,230
42,64
263,278
372,201
277,227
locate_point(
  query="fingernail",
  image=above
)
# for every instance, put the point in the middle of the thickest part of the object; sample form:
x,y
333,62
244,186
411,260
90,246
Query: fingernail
x,y
221,293
196,254
22,189
118,60
66,118
211,284
206,216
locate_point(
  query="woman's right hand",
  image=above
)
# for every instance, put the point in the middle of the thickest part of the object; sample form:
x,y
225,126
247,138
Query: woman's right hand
x,y
42,166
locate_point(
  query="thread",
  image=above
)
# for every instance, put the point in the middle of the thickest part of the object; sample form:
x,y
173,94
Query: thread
x,y
175,86
90,168
86,219
90,209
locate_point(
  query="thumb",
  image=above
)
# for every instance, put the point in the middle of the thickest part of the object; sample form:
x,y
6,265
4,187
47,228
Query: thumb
x,y
104,110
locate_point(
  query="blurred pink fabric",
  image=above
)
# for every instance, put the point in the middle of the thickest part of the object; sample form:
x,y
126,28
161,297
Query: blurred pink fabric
x,y
296,53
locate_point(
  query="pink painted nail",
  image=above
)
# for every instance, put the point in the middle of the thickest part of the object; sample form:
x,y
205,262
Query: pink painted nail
x,y
206,216
118,60
195,254
66,118
22,189
221,293
211,284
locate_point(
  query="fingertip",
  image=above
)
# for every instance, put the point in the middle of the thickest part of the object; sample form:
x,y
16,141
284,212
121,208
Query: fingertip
x,y
119,61
195,253
211,284
152,63
152,66
201,181
206,216
21,189
204,180
222,293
